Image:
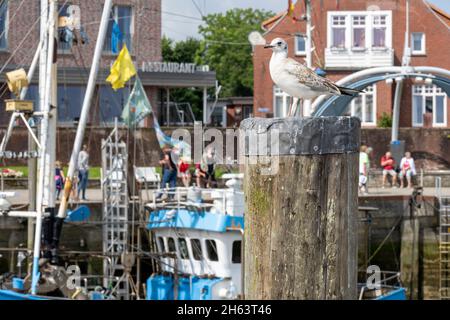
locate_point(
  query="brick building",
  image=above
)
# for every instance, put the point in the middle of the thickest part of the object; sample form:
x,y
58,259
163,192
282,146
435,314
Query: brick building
x,y
350,35
140,25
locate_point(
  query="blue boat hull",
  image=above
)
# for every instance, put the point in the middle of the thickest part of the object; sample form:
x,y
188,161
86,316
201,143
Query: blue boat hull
x,y
160,287
396,294
12,295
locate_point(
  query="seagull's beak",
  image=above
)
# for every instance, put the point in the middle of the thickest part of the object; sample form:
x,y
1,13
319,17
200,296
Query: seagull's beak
x,y
268,46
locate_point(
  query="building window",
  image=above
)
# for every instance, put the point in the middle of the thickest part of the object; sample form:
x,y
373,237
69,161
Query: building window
x,y
184,253
112,103
359,32
196,249
236,252
123,15
70,100
418,43
379,31
281,104
4,25
429,99
300,46
211,250
364,107
338,27
64,46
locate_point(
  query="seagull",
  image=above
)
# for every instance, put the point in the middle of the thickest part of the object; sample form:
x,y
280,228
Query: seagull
x,y
298,80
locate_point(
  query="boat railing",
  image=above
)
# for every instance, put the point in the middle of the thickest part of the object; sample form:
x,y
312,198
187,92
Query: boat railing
x,y
200,199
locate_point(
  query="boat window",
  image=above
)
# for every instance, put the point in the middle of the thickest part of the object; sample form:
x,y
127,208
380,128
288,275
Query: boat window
x,y
171,245
162,247
196,249
236,252
211,249
184,253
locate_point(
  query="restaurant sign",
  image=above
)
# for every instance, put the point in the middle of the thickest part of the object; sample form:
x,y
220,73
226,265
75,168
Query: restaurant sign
x,y
173,67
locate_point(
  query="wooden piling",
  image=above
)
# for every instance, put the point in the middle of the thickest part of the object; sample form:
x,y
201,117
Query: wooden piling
x,y
301,215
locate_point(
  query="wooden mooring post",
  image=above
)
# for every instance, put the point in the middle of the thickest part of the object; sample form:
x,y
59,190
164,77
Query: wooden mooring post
x,y
301,198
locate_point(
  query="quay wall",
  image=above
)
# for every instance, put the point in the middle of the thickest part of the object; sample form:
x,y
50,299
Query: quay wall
x,y
429,146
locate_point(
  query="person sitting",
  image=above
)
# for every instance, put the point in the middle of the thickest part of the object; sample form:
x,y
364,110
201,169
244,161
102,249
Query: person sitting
x,y
408,169
185,175
388,164
200,174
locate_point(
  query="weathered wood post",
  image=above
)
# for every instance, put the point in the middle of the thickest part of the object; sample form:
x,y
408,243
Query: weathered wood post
x,y
301,207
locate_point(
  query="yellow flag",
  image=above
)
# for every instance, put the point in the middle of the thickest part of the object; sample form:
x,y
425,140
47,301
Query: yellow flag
x,y
122,70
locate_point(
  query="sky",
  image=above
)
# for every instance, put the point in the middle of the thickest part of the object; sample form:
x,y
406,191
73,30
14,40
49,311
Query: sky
x,y
181,18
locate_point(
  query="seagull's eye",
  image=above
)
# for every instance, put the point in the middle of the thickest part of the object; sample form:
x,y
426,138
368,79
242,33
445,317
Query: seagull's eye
x,y
279,43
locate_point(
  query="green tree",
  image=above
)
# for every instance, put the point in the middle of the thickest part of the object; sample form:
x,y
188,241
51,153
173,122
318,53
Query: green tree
x,y
183,51
225,48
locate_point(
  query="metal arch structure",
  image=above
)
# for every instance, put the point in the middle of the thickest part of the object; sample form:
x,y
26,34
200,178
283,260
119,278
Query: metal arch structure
x,y
336,105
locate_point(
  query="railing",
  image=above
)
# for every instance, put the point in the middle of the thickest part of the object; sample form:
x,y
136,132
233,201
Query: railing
x,y
178,198
390,280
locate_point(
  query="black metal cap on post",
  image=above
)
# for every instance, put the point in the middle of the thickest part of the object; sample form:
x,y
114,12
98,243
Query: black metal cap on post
x,y
295,136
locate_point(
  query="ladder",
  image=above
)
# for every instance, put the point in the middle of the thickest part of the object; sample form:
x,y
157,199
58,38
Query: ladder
x,y
115,213
444,242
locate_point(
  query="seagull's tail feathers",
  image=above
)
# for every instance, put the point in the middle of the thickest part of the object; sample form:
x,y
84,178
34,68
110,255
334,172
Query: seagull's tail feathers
x,y
348,91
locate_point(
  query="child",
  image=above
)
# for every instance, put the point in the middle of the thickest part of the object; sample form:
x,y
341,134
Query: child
x,y
59,178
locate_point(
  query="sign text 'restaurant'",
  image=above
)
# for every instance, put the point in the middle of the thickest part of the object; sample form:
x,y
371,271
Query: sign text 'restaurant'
x,y
172,67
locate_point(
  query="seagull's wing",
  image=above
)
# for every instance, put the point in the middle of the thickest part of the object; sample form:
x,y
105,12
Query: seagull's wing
x,y
309,78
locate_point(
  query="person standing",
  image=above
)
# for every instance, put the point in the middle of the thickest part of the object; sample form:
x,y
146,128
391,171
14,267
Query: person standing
x,y
83,172
388,164
364,166
169,172
209,159
408,169
59,178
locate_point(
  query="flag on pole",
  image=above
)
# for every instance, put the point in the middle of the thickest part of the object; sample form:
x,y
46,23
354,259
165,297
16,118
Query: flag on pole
x,y
116,38
138,105
122,70
291,7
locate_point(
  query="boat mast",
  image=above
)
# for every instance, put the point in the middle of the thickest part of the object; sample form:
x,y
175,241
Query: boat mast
x,y
85,109
46,64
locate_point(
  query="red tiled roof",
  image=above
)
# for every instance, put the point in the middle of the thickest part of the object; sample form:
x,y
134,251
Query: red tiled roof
x,y
444,15
265,24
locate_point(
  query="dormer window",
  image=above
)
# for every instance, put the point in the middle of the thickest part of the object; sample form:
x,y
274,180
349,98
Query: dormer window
x,y
338,32
359,39
379,31
359,32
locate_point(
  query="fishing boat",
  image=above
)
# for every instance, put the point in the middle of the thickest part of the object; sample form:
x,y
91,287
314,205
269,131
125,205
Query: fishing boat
x,y
198,234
